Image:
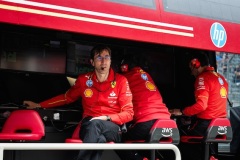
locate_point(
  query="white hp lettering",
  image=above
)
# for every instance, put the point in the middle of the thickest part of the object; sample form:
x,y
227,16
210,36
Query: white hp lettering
x,y
218,35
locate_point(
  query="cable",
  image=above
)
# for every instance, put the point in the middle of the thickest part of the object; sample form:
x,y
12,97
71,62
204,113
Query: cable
x,y
64,127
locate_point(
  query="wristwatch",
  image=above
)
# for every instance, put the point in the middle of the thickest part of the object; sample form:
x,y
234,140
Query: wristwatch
x,y
108,118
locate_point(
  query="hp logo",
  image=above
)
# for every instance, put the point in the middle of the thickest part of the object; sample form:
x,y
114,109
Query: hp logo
x,y
218,35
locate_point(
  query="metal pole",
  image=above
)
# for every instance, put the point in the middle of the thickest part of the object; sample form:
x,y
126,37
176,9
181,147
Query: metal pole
x,y
87,146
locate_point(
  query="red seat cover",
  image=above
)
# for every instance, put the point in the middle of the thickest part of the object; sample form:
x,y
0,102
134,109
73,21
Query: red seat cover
x,y
75,136
162,131
23,125
219,130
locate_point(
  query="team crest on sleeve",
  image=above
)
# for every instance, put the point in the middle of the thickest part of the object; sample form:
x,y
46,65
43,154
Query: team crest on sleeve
x,y
220,81
89,83
88,92
144,76
150,86
223,92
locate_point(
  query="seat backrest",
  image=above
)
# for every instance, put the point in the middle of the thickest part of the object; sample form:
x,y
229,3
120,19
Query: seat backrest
x,y
75,134
164,131
219,130
24,121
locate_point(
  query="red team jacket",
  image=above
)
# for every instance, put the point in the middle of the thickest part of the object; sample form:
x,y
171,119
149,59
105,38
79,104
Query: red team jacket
x,y
211,91
111,97
147,100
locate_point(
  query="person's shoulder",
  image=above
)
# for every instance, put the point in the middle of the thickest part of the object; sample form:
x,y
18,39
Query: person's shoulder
x,y
135,71
211,76
207,75
220,74
204,76
85,76
222,77
120,76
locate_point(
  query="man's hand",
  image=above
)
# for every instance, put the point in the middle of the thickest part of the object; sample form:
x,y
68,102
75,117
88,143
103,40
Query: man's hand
x,y
175,112
104,118
31,105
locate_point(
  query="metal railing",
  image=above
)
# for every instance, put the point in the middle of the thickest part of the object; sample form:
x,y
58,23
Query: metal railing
x,y
87,146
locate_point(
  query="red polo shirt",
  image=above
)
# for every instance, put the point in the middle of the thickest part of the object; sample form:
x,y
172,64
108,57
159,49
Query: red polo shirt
x,y
211,91
111,97
147,100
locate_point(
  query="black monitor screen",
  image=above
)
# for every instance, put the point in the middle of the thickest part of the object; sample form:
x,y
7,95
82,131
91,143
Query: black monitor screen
x,y
23,52
78,59
15,87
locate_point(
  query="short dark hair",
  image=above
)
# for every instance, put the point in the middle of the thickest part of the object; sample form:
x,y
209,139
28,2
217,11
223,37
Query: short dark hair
x,y
98,49
202,58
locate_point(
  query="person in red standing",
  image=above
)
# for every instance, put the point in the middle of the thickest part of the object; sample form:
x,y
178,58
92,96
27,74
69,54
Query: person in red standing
x,y
148,106
106,102
211,91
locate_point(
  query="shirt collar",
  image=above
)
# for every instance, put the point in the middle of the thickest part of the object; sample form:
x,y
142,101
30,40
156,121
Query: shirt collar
x,y
109,78
209,68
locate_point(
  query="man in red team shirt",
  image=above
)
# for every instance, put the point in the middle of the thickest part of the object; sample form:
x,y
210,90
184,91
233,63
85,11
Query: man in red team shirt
x,y
211,91
106,102
148,106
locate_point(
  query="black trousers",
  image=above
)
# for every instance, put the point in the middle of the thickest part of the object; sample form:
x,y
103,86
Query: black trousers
x,y
97,131
138,131
190,151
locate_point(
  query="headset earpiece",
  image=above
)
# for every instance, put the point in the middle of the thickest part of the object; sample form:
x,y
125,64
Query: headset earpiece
x,y
124,68
195,63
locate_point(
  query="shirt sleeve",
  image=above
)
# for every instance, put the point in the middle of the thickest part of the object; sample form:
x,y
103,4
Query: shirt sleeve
x,y
70,96
201,97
